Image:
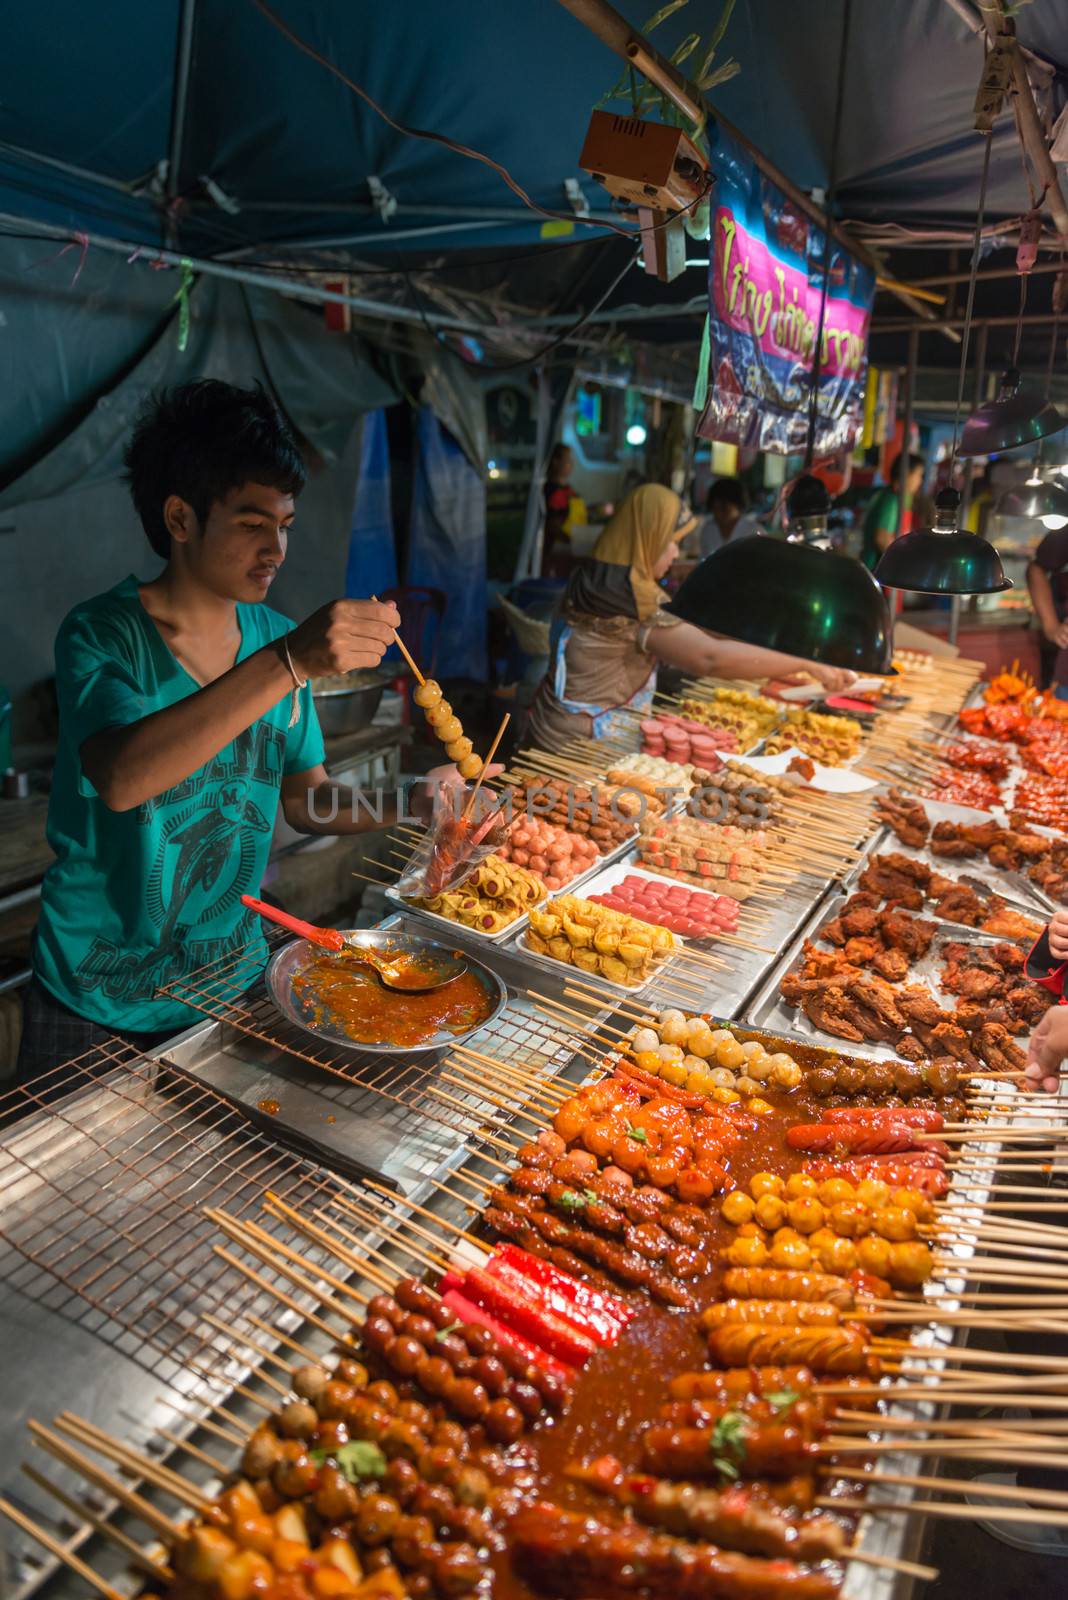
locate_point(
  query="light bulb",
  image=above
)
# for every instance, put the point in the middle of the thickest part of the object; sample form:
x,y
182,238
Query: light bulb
x,y
636,434
1053,523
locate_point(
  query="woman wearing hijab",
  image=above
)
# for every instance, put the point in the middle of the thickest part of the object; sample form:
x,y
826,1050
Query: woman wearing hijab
x,y
613,631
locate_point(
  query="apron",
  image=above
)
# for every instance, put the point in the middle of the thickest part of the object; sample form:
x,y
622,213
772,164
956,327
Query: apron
x,y
607,721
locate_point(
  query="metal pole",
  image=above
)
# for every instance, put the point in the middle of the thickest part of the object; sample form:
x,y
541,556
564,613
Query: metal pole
x,y
956,605
258,280
179,101
632,47
906,428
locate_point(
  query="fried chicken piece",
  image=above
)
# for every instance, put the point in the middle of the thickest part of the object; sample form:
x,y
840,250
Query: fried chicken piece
x,y
948,839
829,1009
833,931
911,935
1024,1006
859,923
917,871
960,904
1008,956
906,817
940,885
1027,846
1008,924
817,963
970,1015
861,900
911,1048
947,1037
983,834
1000,1052
861,952
891,964
974,983
1002,858
876,996
890,885
919,1006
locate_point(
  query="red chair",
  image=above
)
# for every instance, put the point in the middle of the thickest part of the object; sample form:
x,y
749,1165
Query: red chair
x,y
421,612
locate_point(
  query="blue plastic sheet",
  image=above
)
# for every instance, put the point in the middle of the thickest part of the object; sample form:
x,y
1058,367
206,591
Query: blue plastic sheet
x,y
447,545
372,563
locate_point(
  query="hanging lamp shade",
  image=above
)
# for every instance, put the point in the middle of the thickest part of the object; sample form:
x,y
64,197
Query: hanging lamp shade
x,y
943,559
792,597
1018,416
1046,502
808,508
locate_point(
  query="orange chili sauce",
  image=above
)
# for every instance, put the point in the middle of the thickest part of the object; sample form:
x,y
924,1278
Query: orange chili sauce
x,y
354,1001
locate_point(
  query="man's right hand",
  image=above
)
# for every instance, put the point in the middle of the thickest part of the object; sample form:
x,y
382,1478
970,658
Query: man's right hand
x,y
342,636
1058,635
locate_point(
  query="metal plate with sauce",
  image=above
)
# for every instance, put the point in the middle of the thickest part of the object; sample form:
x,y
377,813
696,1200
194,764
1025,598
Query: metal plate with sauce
x,y
287,964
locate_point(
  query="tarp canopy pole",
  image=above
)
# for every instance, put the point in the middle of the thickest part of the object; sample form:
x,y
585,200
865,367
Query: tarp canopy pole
x,y
179,103
246,275
616,32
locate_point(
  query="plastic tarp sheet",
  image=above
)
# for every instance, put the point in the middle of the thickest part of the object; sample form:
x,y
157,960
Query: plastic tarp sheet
x,y
322,381
372,563
447,545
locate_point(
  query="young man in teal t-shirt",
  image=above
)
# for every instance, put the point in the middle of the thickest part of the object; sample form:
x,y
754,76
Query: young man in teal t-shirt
x,y
185,716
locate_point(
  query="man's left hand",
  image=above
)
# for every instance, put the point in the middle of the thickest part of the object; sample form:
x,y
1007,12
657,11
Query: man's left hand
x,y
422,796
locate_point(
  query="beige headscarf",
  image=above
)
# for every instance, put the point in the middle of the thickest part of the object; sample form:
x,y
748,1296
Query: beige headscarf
x,y
637,536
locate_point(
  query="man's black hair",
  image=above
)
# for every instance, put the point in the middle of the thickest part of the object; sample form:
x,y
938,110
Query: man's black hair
x,y
730,491
200,441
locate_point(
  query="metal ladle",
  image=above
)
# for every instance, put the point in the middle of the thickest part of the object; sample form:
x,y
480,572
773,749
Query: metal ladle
x,y
434,971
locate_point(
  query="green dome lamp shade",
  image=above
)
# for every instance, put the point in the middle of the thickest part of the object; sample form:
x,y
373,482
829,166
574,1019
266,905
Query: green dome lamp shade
x,y
1018,416
794,597
1037,498
943,559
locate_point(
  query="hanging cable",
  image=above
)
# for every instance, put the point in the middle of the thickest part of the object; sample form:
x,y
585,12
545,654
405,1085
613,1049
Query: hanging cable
x,y
969,305
422,133
828,243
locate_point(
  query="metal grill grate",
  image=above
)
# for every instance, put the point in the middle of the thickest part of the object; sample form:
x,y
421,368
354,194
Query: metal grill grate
x,y
101,1205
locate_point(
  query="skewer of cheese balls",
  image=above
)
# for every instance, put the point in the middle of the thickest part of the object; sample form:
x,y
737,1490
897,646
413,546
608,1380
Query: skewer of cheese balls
x,y
448,727
835,1226
689,1052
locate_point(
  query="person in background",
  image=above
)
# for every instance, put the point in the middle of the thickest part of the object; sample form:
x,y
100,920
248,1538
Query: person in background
x,y
728,516
558,495
1047,583
880,519
185,718
613,632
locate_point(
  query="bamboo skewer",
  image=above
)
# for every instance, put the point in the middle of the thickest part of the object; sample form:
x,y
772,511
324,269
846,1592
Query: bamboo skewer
x,y
167,1530
60,1551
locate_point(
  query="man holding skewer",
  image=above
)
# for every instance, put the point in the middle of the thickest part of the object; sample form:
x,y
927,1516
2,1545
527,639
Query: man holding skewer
x,y
186,717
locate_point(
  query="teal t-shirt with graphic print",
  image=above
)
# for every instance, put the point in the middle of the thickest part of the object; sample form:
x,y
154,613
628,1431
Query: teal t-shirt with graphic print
x,y
137,898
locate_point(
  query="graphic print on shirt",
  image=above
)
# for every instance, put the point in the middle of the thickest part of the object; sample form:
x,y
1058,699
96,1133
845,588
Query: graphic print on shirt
x,y
204,862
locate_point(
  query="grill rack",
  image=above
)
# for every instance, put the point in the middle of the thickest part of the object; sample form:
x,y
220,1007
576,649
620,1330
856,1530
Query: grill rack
x,y
100,1204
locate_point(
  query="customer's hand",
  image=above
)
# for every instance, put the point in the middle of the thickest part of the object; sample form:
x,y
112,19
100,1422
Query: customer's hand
x,y
1047,1051
833,679
1058,635
1058,935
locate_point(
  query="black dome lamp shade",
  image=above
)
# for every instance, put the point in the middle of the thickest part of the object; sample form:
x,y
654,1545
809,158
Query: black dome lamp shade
x,y
943,559
794,597
808,508
1037,499
1018,416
